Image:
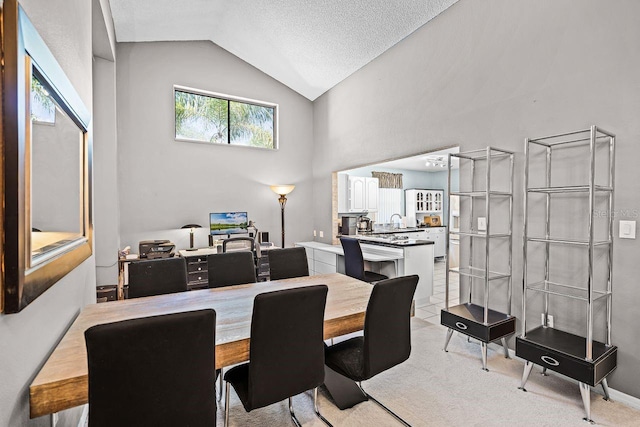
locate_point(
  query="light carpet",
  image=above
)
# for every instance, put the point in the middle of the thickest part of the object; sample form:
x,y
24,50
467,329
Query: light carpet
x,y
434,388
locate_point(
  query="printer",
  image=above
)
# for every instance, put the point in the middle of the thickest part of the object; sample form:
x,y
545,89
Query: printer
x,y
152,249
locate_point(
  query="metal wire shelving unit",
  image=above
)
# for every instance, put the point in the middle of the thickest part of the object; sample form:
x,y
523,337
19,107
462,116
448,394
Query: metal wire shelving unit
x,y
473,319
579,357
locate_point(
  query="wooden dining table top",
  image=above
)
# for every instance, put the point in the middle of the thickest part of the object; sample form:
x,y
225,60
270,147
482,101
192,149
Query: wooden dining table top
x,y
62,383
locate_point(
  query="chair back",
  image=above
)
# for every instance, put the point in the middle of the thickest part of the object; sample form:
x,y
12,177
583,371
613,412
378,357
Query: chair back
x,y
231,268
238,244
288,263
156,370
353,260
387,332
157,277
287,348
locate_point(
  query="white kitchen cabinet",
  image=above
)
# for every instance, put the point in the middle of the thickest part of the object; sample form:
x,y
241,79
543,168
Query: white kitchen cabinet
x,y
371,198
357,193
422,202
437,235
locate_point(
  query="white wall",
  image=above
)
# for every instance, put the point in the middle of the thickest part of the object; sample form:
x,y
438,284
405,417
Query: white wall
x,y
493,73
164,184
29,336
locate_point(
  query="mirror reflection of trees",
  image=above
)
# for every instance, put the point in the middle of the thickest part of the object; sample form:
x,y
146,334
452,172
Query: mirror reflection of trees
x,y
210,119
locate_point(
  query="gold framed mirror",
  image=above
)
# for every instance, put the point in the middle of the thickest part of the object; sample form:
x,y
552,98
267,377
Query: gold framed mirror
x,y
46,169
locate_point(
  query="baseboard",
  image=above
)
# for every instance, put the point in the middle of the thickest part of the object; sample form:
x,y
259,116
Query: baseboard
x,y
615,395
84,418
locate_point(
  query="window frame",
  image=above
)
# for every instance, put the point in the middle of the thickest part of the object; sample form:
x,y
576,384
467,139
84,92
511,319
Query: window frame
x,y
232,98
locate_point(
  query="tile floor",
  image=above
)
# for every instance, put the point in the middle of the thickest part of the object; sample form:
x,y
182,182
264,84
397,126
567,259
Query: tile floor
x,y
431,312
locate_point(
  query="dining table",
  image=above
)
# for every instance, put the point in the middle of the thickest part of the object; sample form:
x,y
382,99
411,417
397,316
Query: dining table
x,y
62,382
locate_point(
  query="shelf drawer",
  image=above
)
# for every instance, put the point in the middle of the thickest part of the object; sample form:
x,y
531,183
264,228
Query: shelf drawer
x,y
466,318
196,267
196,259
588,372
197,277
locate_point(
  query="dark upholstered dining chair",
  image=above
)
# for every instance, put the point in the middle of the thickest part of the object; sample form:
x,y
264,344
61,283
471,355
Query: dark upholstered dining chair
x,y
354,262
231,268
288,263
387,335
286,356
157,277
153,371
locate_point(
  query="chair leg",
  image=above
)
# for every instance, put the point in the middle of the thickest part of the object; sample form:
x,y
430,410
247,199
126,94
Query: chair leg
x,y
226,405
293,414
384,407
221,387
317,410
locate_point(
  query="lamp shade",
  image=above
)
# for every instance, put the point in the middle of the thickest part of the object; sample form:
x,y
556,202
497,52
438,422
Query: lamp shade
x,y
191,226
282,189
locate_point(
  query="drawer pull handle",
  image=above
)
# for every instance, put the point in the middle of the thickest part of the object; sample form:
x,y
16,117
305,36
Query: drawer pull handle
x,y
199,268
549,360
461,325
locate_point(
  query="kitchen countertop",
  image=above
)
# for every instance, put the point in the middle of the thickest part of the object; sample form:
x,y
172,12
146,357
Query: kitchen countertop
x,y
398,230
385,241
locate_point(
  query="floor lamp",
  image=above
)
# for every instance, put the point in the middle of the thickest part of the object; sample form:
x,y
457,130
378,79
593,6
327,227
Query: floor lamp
x,y
282,191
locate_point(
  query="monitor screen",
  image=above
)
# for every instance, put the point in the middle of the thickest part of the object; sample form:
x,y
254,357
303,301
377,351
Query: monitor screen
x,y
228,223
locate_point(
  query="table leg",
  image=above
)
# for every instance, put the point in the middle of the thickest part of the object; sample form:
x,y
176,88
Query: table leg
x,y
344,391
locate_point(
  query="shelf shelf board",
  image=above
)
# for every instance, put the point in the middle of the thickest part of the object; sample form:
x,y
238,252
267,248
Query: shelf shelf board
x,y
569,189
478,234
570,291
481,154
475,313
478,273
567,241
480,193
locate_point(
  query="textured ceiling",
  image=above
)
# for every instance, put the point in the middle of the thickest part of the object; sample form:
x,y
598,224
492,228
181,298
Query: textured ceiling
x,y
309,46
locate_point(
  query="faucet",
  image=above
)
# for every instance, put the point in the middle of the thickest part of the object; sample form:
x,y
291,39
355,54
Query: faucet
x,y
391,219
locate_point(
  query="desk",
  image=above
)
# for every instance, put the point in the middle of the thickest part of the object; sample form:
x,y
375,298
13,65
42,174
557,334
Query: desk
x,y
62,383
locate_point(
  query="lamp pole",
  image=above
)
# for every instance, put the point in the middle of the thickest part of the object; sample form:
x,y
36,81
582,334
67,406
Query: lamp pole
x,y
283,201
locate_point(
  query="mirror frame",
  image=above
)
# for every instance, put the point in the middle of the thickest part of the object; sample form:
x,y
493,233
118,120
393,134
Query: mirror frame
x,y
23,52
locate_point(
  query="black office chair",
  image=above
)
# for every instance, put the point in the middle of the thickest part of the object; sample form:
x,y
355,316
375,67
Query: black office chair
x,y
153,371
157,277
288,263
286,353
239,243
354,262
231,268
387,335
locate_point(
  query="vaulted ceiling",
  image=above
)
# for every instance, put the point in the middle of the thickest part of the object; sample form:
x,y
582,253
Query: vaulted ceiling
x,y
310,46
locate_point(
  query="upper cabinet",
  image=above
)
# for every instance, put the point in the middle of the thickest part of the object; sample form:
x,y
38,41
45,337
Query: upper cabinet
x,y
420,203
357,193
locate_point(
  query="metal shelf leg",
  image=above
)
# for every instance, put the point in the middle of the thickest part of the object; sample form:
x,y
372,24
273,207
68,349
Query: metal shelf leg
x,y
484,356
525,375
505,347
585,392
605,389
446,341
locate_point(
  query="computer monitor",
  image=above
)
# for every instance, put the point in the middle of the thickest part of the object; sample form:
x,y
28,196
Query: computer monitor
x,y
225,223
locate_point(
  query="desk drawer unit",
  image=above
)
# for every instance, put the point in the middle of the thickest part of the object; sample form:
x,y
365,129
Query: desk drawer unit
x,y
565,353
468,319
263,267
197,272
